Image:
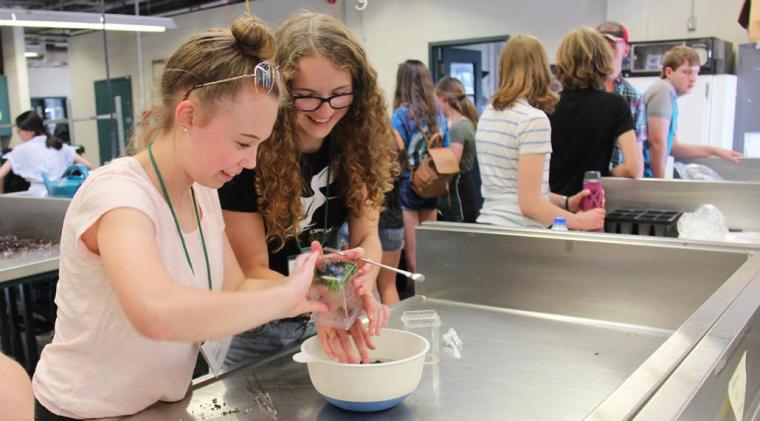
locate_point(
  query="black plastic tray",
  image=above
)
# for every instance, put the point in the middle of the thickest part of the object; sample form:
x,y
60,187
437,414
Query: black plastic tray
x,y
651,222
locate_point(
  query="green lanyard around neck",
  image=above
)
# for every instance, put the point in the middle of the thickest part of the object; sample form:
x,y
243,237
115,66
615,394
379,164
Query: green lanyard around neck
x,y
176,220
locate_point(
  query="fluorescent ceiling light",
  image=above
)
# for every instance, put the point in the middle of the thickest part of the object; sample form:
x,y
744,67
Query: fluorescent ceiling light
x,y
80,20
31,54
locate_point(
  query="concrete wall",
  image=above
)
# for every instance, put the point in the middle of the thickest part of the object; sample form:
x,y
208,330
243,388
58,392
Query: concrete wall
x,y
392,31
396,30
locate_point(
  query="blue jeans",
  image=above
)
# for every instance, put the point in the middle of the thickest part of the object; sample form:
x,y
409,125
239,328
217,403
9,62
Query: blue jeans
x,y
267,339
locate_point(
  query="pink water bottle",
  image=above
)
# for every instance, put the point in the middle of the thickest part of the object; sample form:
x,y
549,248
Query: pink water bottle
x,y
592,180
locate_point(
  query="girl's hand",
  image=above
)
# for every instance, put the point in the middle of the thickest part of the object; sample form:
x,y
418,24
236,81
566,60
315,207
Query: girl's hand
x,y
574,202
590,220
298,283
338,345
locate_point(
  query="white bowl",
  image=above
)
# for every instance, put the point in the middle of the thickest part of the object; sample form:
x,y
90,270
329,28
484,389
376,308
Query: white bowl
x,y
368,387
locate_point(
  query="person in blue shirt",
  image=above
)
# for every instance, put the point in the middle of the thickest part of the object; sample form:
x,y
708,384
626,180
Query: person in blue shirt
x,y
680,70
415,112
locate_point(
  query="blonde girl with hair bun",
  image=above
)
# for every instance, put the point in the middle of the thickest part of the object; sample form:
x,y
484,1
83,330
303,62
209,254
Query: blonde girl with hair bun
x,y
146,270
329,161
514,145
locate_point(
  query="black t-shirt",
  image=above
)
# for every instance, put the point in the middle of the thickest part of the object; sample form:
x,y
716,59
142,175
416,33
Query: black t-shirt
x,y
240,195
585,127
392,217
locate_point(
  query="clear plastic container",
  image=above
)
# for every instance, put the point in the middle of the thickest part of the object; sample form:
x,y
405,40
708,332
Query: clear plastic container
x,y
425,323
332,286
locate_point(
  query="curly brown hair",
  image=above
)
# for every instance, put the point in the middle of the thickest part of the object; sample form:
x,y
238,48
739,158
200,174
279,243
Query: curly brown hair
x,y
362,141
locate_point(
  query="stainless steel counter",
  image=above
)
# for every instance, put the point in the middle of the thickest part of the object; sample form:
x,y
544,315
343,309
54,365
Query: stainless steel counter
x,y
31,217
748,170
549,367
738,201
555,326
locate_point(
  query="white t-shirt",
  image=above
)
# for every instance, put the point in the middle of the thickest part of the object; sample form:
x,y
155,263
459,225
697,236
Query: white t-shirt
x,y
502,137
31,158
98,365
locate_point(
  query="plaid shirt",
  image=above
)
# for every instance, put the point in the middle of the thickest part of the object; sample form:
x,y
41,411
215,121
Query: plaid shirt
x,y
639,112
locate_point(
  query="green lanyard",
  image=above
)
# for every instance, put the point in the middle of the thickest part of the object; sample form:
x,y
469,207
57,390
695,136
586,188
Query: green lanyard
x,y
176,221
327,202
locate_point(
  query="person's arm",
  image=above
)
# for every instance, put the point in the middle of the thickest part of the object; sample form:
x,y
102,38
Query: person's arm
x,y
79,159
161,308
633,163
682,150
457,148
457,141
15,391
658,144
247,236
530,170
4,170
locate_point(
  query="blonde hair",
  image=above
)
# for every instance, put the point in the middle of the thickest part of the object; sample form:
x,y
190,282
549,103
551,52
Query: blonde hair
x,y
524,73
362,140
677,56
415,90
453,91
584,59
208,56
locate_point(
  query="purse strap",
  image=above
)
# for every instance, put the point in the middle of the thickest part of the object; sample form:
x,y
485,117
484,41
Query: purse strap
x,y
428,141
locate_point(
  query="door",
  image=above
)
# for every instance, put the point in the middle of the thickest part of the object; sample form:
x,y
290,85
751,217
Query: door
x,y
747,127
108,140
467,66
5,108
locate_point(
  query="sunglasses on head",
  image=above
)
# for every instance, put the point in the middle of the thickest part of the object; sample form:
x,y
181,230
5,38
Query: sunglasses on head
x,y
265,77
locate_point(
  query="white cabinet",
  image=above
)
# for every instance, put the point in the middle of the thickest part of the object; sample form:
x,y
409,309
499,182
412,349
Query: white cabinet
x,y
706,114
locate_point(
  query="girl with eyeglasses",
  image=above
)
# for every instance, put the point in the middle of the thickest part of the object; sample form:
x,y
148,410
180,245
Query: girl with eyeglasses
x,y
328,161
146,271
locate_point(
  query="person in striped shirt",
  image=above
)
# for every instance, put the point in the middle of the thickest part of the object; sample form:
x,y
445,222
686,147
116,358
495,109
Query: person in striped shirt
x,y
513,144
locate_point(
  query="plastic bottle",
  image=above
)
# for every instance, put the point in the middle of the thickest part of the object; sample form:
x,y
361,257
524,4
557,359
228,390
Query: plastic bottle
x,y
592,180
560,224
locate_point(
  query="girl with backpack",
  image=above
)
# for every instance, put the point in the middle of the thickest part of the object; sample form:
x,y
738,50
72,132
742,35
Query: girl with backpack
x,y
416,119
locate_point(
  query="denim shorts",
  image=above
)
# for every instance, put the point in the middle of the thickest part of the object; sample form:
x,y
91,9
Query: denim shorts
x,y
411,201
267,339
391,239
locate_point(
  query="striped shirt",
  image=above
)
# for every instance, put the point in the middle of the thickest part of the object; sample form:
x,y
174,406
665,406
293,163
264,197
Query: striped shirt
x,y
501,138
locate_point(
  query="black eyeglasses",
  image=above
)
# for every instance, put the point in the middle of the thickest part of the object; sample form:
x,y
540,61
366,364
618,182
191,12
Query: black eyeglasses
x,y
265,77
313,102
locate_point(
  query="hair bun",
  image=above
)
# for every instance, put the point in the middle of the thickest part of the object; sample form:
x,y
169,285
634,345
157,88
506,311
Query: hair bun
x,y
253,37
